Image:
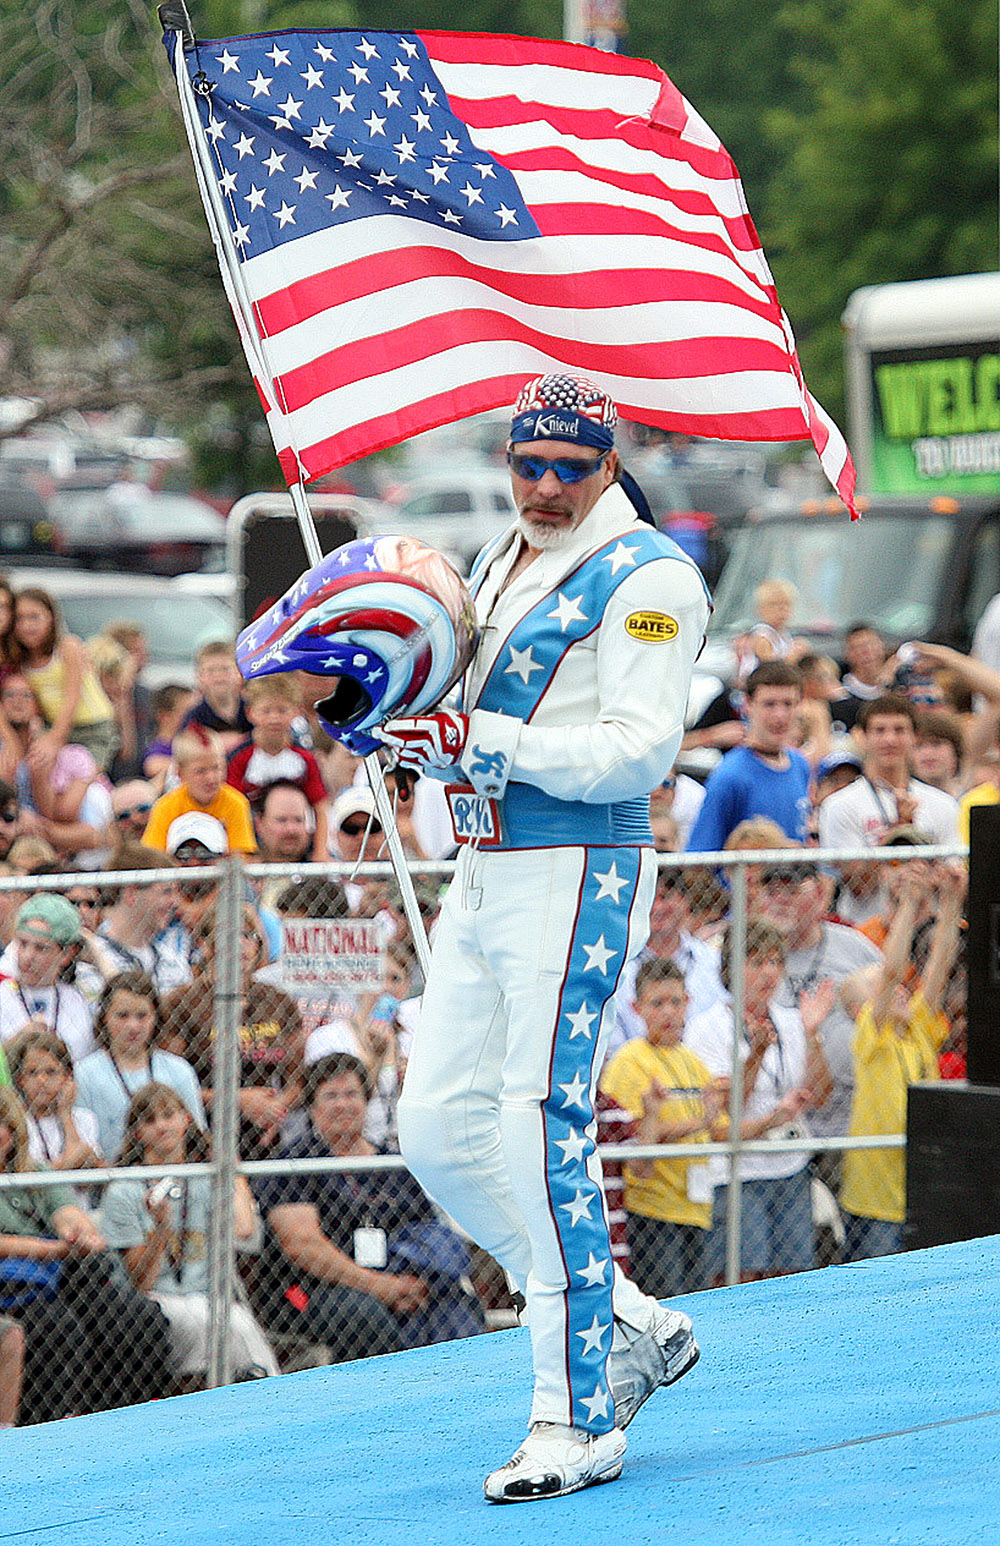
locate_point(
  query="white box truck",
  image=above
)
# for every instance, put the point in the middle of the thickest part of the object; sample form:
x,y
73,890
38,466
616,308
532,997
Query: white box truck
x,y
922,364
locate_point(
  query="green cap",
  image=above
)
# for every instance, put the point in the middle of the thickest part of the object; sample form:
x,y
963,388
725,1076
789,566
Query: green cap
x,y
47,915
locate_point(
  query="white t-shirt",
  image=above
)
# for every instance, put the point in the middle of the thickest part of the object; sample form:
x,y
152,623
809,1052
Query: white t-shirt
x,y
782,1068
66,1013
860,815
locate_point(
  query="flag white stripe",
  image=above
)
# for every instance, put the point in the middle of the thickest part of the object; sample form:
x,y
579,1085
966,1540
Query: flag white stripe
x,y
627,96
268,272
333,412
645,324
510,140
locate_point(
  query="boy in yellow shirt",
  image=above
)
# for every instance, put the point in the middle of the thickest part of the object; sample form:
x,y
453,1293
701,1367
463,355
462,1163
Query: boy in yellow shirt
x,y
674,1099
897,1039
201,768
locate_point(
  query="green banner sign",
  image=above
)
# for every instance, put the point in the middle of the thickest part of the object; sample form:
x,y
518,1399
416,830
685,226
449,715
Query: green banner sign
x,y
936,420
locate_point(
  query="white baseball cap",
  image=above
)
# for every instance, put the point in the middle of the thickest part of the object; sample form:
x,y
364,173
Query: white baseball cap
x,y
197,827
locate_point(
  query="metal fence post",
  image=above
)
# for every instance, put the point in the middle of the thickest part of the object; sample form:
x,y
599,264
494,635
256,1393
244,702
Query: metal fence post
x,y
225,1114
737,987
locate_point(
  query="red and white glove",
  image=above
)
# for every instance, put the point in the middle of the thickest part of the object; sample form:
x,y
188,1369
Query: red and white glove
x,y
429,741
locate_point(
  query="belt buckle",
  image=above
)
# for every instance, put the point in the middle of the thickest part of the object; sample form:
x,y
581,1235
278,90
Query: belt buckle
x,y
474,817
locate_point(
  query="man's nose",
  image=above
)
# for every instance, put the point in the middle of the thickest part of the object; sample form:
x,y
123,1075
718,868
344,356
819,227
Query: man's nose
x,y
548,483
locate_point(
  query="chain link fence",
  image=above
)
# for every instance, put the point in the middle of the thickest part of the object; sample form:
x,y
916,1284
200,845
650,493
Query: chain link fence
x,y
199,1176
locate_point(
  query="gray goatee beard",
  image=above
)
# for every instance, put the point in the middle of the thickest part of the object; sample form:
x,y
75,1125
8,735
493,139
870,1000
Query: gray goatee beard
x,y
539,534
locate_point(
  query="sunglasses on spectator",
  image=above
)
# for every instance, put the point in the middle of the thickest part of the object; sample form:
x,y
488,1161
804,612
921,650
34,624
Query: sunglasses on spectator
x,y
786,875
134,810
10,813
355,828
83,901
567,469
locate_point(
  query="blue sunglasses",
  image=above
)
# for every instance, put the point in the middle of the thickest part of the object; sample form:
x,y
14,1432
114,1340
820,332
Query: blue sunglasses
x,y
533,468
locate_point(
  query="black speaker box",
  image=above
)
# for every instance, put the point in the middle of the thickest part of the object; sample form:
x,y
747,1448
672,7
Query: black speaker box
x,y
983,945
952,1163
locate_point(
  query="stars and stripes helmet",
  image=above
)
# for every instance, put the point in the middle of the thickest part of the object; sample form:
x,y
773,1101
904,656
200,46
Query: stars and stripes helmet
x,y
386,618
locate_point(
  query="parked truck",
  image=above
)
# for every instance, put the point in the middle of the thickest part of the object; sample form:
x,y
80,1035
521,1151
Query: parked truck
x,y
922,363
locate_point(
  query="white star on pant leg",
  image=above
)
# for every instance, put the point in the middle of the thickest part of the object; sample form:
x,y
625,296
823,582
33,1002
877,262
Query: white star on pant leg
x,y
573,1148
608,884
593,1273
597,1404
574,1091
522,663
593,1336
578,1209
581,1022
598,956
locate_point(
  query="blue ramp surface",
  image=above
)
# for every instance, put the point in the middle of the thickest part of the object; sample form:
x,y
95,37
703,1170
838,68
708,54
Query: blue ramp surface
x,y
858,1406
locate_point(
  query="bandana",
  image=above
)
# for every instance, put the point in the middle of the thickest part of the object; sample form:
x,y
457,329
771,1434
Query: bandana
x,y
557,407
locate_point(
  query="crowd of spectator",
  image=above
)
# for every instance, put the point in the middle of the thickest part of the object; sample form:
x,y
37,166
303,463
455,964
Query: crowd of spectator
x,y
852,989
107,1029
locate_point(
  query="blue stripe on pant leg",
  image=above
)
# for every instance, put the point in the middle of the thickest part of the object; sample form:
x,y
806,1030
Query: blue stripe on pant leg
x,y
595,960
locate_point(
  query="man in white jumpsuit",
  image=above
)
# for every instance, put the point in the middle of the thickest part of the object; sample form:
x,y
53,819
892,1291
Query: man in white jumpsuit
x,y
571,712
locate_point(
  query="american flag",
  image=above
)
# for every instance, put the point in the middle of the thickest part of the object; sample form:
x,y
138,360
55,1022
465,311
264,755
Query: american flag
x,y
409,224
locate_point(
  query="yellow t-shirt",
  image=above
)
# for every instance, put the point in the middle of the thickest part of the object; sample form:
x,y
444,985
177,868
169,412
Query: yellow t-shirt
x,y
229,806
663,1194
92,706
874,1185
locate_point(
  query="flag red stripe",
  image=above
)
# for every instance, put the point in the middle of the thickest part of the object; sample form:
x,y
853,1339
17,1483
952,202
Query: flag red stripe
x,y
306,298
380,432
474,48
647,185
396,347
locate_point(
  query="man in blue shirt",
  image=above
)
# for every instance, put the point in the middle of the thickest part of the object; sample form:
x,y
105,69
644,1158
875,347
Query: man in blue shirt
x,y
763,777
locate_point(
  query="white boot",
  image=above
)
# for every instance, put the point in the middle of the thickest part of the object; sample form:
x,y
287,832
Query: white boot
x,y
554,1460
641,1361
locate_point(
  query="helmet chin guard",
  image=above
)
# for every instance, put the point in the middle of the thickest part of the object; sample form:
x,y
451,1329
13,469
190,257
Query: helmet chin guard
x,y
387,619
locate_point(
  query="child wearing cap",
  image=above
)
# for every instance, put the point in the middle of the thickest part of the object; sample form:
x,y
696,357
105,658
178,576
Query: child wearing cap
x,y
46,933
201,768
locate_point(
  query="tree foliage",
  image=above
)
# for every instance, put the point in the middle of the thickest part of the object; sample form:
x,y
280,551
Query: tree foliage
x,y
887,167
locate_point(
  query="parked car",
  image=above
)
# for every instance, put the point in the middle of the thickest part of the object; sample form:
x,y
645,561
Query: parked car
x,y
26,530
128,526
457,511
175,621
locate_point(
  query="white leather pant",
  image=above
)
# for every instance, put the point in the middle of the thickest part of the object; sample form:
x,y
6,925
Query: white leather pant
x,y
496,1119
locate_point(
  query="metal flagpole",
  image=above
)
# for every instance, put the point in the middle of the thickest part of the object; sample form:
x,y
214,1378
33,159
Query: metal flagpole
x,y
174,17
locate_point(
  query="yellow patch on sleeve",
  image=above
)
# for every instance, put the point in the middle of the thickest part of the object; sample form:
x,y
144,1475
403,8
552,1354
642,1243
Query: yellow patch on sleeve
x,y
651,627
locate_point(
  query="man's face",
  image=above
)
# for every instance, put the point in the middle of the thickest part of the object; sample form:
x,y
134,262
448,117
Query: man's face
x,y
131,804
889,738
17,700
792,901
770,713
350,837
155,904
934,761
669,912
338,1109
39,960
865,654
283,826
548,509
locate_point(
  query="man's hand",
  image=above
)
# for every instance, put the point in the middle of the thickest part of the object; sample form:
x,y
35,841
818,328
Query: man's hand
x,y
427,741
